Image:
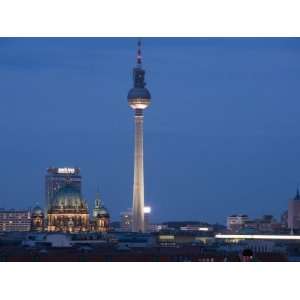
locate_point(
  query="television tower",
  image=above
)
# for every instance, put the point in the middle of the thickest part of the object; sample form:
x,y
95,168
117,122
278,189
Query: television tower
x,y
138,99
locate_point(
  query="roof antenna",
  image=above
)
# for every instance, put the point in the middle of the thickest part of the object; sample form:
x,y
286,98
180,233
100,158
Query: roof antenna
x,y
139,53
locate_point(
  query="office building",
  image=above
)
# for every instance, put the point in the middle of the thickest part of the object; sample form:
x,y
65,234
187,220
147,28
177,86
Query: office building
x,y
57,178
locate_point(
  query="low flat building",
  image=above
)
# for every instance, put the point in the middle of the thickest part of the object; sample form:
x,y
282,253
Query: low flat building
x,y
157,227
169,238
15,220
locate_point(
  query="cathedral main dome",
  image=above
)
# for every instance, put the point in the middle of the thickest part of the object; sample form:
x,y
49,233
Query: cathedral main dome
x,y
68,199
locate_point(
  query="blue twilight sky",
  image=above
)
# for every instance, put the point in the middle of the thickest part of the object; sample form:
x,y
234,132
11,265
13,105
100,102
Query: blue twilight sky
x,y
221,136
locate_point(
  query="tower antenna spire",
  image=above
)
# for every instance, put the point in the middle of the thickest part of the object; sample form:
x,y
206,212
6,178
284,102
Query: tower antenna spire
x,y
139,53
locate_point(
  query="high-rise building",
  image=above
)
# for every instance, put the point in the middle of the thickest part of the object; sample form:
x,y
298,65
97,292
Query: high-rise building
x,y
57,178
126,220
294,212
15,220
138,99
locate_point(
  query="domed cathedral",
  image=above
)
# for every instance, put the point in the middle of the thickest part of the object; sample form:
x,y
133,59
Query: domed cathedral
x,y
68,212
100,222
37,219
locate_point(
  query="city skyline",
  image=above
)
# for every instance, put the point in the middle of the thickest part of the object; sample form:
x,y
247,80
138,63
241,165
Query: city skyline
x,y
206,159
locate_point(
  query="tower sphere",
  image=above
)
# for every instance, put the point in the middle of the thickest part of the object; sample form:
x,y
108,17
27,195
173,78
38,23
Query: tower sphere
x,y
139,97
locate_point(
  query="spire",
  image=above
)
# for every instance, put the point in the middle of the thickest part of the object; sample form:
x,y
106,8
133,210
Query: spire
x,y
139,53
98,200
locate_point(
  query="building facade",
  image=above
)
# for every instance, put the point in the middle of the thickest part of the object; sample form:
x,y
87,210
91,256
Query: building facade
x,y
15,220
68,212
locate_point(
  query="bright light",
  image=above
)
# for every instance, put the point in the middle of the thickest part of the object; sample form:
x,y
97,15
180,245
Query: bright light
x,y
203,228
166,237
147,210
139,106
194,228
66,170
257,236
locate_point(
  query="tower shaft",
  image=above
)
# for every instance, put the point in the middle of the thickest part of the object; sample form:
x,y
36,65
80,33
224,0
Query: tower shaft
x,y
138,185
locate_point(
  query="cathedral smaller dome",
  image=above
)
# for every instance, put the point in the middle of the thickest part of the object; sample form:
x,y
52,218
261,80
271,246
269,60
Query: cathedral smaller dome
x,y
100,212
37,211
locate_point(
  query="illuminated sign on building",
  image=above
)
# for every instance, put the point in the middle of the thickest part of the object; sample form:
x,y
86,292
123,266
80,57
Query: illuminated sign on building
x,y
66,170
